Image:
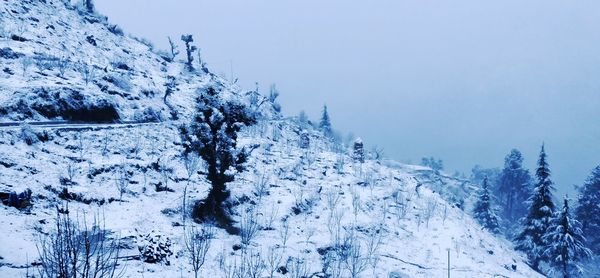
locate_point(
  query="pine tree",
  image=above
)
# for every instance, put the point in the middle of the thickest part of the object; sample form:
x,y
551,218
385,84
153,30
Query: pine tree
x,y
588,211
213,136
566,244
325,124
483,210
514,186
541,207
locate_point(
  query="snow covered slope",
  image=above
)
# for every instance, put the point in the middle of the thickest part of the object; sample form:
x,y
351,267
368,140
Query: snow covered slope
x,y
406,218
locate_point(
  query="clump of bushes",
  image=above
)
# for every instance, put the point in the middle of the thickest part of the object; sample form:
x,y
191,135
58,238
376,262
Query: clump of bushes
x,y
19,200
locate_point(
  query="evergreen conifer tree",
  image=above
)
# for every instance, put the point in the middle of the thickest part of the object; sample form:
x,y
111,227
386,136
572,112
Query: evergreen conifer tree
x,y
588,211
514,186
566,244
325,124
541,208
483,210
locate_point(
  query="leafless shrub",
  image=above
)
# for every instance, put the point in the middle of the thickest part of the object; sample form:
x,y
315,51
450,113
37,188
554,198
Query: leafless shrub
x,y
122,181
81,145
356,203
355,259
62,64
191,162
340,162
284,232
72,250
174,51
71,171
429,210
197,244
254,265
273,261
271,218
333,198
373,243
136,145
249,226
377,153
297,268
165,174
261,186
87,72
334,225
104,142
26,63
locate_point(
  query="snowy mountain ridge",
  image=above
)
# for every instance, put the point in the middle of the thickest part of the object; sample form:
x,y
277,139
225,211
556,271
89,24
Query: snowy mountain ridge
x,y
59,63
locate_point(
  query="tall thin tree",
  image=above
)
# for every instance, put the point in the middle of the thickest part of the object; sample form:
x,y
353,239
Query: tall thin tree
x,y
325,123
588,211
531,239
514,186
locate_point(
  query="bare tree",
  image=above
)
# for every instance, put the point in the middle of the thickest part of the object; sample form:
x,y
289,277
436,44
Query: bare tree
x,y
355,260
87,72
429,210
174,51
197,244
72,250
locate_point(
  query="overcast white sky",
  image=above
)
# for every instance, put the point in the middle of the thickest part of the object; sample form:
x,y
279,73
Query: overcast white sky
x,y
465,81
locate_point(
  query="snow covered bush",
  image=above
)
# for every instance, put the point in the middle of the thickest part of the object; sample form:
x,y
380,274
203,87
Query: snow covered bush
x,y
28,135
154,248
148,115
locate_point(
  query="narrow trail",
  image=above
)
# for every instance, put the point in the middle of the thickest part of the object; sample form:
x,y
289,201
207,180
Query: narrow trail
x,y
76,125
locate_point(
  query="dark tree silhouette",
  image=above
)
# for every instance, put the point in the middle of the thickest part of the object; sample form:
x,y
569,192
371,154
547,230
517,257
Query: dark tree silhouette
x,y
213,136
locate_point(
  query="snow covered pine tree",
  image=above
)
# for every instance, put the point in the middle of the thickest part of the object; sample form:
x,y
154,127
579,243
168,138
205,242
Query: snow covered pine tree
x,y
213,136
588,211
535,225
566,244
483,211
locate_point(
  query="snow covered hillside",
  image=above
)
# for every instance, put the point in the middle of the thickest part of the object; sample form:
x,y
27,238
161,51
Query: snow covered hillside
x,y
297,202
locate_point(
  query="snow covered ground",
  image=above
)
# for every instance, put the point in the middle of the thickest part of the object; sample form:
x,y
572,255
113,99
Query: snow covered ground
x,y
411,218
